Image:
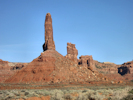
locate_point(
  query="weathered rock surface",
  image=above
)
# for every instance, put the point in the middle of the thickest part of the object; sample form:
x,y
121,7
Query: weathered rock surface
x,y
52,67
7,69
117,72
126,70
17,66
49,42
4,65
87,61
72,52
106,68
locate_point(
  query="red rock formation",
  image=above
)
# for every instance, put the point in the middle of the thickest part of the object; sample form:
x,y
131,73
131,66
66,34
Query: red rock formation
x,y
49,42
126,70
72,52
5,71
4,65
52,67
87,61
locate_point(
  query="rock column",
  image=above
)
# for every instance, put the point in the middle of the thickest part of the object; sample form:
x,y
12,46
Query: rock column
x,y
72,52
49,42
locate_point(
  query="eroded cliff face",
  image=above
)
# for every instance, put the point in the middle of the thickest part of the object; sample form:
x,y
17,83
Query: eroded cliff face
x,y
126,70
4,70
87,61
7,69
122,72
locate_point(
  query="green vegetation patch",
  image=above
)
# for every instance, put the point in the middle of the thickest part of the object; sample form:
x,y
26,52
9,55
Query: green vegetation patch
x,y
98,67
131,91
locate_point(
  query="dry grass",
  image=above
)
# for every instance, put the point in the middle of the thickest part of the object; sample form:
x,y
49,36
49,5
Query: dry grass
x,y
97,93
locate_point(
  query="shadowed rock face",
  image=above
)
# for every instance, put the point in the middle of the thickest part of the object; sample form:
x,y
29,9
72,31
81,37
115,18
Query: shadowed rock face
x,y
49,42
123,70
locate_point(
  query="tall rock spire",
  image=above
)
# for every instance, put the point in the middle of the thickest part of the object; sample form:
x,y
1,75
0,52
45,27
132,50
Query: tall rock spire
x,y
49,42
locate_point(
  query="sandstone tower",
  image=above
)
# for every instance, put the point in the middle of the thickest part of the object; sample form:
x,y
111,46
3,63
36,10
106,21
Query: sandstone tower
x,y
72,52
49,42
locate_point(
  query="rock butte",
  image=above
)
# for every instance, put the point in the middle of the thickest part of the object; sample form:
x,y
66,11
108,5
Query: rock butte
x,y
52,67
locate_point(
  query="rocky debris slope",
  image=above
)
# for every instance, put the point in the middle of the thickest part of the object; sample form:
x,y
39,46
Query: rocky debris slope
x,y
52,67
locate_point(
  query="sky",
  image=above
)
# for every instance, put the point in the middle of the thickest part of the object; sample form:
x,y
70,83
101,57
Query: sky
x,y
101,28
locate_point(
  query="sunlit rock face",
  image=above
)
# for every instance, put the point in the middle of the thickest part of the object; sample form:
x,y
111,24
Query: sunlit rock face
x,y
72,52
49,42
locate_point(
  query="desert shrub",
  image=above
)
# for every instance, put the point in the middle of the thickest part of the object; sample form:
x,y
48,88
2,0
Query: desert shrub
x,y
22,90
101,72
109,98
66,91
98,67
121,93
84,91
57,95
131,91
68,97
128,97
91,95
42,92
131,80
97,96
81,97
26,93
104,66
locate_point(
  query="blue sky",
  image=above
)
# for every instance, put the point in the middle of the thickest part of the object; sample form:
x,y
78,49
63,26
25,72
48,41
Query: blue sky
x,y
101,28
